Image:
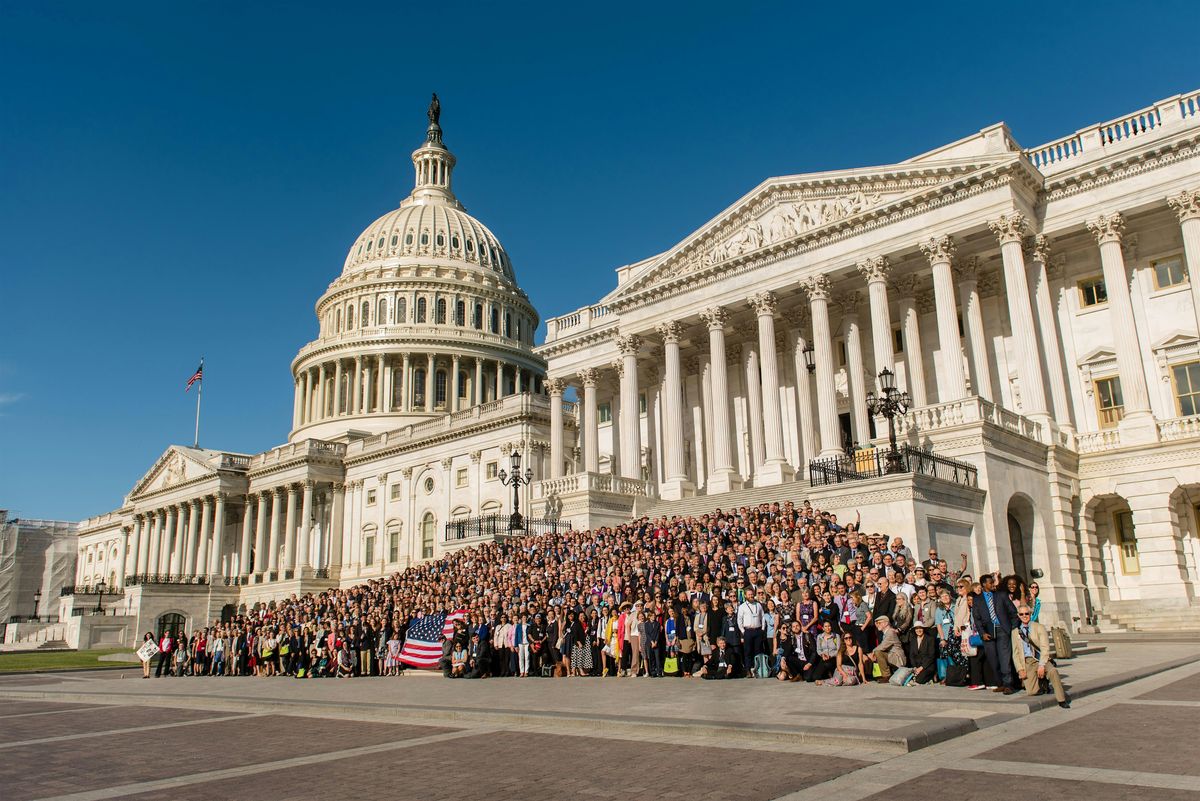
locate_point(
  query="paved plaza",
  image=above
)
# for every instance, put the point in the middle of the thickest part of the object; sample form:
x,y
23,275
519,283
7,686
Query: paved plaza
x,y
102,735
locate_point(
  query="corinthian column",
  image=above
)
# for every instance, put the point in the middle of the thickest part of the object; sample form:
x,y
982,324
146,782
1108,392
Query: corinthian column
x,y
818,300
1039,251
356,393
914,377
135,546
875,270
202,549
260,533
302,561
967,274
289,530
754,404
723,477
297,403
775,466
1009,230
591,423
855,370
321,391
1138,423
631,422
189,547
798,320
337,388
555,387
676,484
1187,206
218,535
244,546
175,538
952,381
272,561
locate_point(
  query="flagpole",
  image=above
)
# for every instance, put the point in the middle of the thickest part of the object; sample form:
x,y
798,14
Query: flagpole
x,y
199,393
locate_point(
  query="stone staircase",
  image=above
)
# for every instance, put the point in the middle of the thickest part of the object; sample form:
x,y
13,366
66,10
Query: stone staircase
x,y
795,491
1121,616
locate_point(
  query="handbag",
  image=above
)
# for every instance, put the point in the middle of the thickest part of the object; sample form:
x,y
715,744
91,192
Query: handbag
x,y
900,676
670,665
967,648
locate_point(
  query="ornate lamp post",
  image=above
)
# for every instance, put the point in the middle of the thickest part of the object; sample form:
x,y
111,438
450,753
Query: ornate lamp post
x,y
100,588
516,481
37,600
890,403
809,358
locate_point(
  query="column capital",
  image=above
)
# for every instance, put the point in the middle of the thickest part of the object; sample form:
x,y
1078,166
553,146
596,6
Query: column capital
x,y
447,463
849,302
291,489
281,490
339,486
692,365
221,496
618,367
765,303
555,386
817,287
628,344
989,283
874,269
671,331
906,286
590,376
715,317
1009,227
926,303
939,249
967,269
1037,248
798,317
1107,228
1186,204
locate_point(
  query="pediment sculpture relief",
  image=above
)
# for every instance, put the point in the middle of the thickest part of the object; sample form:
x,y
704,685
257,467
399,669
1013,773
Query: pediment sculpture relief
x,y
791,219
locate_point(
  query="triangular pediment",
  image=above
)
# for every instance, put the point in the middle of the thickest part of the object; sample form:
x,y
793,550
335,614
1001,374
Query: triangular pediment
x,y
177,465
783,213
1176,339
1099,355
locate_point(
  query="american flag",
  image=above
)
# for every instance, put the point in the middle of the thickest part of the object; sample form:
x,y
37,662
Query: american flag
x,y
196,376
423,646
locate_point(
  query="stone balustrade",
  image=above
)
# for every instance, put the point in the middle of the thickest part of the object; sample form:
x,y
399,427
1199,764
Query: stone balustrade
x,y
594,482
578,321
964,411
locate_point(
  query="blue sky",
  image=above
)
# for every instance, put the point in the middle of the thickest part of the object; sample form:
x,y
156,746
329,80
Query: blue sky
x,y
181,180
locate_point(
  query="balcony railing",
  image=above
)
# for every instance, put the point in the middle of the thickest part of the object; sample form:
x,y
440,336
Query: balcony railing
x,y
88,589
491,527
879,462
595,482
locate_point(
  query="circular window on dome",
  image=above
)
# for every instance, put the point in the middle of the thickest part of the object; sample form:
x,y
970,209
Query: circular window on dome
x,y
428,485
454,243
408,238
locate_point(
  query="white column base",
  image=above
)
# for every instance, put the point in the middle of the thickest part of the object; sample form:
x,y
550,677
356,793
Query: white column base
x,y
773,473
1138,428
674,489
724,481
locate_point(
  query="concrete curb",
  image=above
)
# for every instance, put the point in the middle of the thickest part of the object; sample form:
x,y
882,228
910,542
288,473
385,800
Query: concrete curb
x,y
1108,682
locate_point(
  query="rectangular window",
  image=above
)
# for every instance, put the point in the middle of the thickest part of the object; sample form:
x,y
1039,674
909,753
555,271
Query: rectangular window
x,y
395,492
841,352
393,546
898,337
369,551
1131,564
460,477
1092,292
1169,272
1187,388
370,497
1110,406
604,412
492,470
641,403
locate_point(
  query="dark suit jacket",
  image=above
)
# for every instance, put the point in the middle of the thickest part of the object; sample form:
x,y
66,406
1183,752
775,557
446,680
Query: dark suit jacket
x,y
1005,612
717,657
789,648
885,605
924,656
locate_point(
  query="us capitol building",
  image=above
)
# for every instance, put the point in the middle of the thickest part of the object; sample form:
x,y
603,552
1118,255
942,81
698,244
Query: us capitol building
x,y
1037,305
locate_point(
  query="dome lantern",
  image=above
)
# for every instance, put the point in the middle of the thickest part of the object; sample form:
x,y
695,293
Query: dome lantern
x,y
433,164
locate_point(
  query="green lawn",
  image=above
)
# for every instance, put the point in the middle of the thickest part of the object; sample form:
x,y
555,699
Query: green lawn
x,y
57,660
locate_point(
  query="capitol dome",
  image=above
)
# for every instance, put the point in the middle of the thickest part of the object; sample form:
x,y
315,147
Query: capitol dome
x,y
426,317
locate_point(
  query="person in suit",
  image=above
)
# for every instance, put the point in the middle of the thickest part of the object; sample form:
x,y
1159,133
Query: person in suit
x,y
799,655
885,601
478,655
994,617
722,662
923,654
651,633
889,653
1031,655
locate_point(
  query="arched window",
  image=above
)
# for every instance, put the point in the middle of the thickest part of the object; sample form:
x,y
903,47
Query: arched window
x,y
428,524
172,622
402,310
349,318
495,320
381,317
366,314
479,316
460,313
439,316
462,383
439,395
419,387
508,325
420,310
337,325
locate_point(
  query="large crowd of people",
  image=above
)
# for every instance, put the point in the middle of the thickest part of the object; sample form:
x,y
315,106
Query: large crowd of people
x,y
775,591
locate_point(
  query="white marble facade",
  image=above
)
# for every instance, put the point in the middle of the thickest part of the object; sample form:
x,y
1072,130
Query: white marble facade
x,y
1036,303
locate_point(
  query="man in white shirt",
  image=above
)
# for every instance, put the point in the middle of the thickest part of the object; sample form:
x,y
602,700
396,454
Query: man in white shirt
x,y
750,622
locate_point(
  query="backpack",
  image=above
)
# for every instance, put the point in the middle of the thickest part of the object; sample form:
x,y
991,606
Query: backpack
x,y
762,668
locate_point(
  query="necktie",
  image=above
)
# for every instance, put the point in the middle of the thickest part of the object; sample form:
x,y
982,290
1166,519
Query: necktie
x,y
991,608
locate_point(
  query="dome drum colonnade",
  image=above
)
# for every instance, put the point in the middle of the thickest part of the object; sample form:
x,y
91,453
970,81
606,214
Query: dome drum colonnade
x,y
426,317
955,299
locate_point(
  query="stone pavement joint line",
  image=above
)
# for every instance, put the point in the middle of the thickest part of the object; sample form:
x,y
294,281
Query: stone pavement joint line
x,y
127,730
259,768
53,712
1165,781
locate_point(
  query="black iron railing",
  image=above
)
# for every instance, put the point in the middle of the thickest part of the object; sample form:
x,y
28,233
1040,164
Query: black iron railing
x,y
88,589
497,525
166,578
877,462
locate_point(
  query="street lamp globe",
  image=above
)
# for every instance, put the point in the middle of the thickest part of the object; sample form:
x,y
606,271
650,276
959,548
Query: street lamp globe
x,y
887,380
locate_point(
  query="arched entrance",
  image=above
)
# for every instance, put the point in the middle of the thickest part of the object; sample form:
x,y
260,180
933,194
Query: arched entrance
x,y
228,611
172,622
1020,535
